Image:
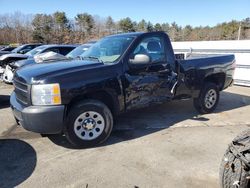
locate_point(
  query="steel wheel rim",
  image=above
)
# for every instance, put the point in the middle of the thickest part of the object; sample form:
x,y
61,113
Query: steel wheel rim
x,y
210,98
89,125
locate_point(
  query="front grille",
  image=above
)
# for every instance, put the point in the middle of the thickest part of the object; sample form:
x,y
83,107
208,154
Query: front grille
x,y
21,91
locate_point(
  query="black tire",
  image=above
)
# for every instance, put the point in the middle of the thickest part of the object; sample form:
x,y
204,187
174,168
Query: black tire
x,y
84,107
233,172
200,102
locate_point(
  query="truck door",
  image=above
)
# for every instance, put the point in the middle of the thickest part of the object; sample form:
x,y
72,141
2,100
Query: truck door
x,y
149,78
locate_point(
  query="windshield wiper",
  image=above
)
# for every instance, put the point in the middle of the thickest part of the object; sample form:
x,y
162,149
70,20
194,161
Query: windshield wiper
x,y
92,58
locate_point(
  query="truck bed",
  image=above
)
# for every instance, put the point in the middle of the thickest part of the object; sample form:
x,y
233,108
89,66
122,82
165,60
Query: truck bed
x,y
198,67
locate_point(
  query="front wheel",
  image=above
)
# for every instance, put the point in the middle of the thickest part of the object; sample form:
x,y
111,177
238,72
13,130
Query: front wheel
x,y
89,123
208,98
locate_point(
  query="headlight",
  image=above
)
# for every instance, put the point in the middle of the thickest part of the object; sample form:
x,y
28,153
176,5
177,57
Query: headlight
x,y
46,94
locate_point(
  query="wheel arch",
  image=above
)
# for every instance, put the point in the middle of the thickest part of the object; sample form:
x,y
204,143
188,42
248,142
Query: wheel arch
x,y
105,96
217,78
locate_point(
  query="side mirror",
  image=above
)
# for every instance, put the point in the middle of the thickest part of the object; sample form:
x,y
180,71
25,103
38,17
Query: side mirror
x,y
141,59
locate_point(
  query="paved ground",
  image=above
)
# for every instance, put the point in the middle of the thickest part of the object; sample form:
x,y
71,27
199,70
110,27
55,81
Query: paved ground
x,y
7,122
167,145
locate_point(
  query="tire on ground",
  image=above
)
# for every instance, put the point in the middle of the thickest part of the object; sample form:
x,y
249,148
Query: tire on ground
x,y
81,108
199,103
233,172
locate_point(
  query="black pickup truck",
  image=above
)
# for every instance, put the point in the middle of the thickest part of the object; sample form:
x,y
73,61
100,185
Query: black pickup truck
x,y
122,72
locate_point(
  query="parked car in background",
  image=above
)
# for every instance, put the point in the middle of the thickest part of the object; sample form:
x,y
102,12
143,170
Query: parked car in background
x,y
24,48
14,55
7,48
21,49
75,53
29,56
61,49
58,48
80,50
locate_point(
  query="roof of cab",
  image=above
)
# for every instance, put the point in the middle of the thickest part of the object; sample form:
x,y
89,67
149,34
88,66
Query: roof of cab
x,y
132,34
135,34
60,45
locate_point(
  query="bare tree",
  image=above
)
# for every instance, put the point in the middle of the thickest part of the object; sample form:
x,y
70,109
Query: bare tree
x,y
110,25
58,28
86,24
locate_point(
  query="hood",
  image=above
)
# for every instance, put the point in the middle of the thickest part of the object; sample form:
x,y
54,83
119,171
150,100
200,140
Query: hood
x,y
39,72
5,56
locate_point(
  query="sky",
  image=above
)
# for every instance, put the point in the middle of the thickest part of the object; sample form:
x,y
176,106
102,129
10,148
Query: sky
x,y
183,12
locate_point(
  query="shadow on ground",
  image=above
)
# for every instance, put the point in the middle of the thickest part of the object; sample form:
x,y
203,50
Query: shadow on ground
x,y
17,162
230,101
146,121
4,101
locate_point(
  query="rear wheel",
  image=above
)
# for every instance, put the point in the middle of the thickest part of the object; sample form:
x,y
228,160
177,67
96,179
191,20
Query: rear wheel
x,y
208,98
89,123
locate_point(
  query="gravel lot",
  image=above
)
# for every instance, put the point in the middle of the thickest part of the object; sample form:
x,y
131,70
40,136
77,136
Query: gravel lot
x,y
167,145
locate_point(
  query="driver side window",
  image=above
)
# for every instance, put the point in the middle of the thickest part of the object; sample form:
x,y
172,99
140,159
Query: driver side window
x,y
153,47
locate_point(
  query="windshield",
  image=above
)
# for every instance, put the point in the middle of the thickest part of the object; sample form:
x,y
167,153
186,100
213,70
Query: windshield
x,y
109,49
78,51
35,50
18,49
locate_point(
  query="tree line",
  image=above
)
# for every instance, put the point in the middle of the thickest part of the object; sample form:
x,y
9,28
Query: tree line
x,y
58,28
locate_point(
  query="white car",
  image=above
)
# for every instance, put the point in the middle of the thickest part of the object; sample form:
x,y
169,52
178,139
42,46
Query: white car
x,y
8,72
7,59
